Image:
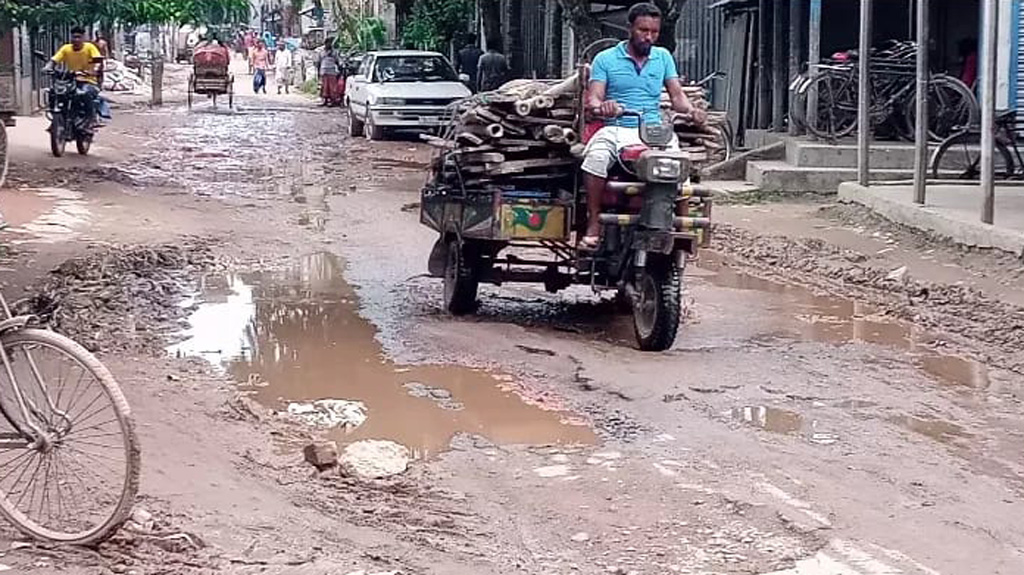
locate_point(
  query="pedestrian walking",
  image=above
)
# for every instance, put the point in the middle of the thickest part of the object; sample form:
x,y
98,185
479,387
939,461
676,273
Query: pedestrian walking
x,y
260,61
329,71
469,60
283,63
493,68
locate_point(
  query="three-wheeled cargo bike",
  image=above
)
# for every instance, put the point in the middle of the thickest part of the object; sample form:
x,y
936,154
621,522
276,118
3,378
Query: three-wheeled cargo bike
x,y
653,217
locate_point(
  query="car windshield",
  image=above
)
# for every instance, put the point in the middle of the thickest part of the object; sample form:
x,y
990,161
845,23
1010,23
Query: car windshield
x,y
414,69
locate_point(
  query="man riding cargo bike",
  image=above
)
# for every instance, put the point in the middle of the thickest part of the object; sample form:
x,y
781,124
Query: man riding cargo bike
x,y
618,214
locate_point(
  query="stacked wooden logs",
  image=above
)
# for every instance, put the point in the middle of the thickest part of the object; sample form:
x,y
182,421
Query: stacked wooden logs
x,y
705,143
523,131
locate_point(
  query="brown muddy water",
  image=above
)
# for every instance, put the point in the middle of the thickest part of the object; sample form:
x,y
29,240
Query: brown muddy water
x,y
822,318
298,337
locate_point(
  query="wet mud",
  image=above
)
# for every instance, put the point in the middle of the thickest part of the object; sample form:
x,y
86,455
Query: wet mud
x,y
809,316
298,337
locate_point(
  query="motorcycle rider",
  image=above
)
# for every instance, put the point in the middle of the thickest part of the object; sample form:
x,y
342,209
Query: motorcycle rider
x,y
627,76
85,60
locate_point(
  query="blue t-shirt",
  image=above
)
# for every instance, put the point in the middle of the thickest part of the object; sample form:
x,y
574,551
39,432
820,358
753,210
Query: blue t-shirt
x,y
637,89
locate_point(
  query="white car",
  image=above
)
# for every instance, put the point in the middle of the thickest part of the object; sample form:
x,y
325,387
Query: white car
x,y
401,89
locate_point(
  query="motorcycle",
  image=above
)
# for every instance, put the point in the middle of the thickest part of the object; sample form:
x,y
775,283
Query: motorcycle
x,y
646,240
69,109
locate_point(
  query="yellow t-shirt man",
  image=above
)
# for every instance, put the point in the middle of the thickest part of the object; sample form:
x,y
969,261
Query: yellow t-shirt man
x,y
83,60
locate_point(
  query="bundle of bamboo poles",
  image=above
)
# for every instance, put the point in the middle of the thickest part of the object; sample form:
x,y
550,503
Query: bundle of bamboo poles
x,y
702,143
525,130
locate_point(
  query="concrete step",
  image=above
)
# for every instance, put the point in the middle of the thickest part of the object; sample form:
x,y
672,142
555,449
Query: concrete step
x,y
778,176
813,154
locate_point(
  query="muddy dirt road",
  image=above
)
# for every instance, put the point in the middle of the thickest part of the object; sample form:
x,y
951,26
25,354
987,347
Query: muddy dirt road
x,y
825,411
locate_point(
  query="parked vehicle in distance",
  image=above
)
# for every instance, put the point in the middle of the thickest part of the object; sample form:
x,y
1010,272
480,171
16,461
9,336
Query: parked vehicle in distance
x,y
401,89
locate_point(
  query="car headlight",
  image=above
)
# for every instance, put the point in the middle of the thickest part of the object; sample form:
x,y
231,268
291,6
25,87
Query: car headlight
x,y
391,102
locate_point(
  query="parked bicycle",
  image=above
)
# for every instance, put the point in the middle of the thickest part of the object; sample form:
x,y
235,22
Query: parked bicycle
x,y
834,86
959,156
69,457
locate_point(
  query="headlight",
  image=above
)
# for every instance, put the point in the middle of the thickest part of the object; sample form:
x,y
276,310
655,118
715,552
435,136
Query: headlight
x,y
666,169
391,102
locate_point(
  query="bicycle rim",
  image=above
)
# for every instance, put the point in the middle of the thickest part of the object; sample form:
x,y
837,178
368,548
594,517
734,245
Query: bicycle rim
x,y
835,115
81,488
951,107
959,158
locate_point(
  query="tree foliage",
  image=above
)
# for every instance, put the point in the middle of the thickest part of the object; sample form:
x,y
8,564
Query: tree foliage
x,y
434,23
587,25
361,33
130,12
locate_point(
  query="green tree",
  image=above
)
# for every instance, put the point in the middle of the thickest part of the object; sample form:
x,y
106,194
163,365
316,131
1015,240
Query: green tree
x,y
434,23
361,33
587,26
126,12
129,12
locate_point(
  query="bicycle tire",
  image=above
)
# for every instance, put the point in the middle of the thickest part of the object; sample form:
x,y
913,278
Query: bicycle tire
x,y
951,107
105,526
963,143
723,148
835,101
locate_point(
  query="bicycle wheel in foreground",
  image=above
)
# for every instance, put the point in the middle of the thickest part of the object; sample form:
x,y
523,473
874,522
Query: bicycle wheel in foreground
x,y
959,158
80,486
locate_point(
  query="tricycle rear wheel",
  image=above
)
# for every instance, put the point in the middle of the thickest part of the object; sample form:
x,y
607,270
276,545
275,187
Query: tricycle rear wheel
x,y
460,281
657,308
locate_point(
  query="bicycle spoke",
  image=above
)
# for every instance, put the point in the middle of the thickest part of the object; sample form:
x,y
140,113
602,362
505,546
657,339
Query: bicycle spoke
x,y
97,435
62,388
23,468
76,429
31,482
45,500
24,453
91,454
80,418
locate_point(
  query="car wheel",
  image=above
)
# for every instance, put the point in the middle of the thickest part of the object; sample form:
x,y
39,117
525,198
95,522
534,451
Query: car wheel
x,y
370,130
355,127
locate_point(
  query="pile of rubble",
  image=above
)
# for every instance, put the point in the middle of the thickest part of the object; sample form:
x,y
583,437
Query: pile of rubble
x,y
120,297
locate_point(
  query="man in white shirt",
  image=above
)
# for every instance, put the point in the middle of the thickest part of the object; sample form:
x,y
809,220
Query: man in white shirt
x,y
283,63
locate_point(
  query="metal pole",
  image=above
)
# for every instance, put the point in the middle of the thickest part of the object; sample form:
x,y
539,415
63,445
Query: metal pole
x,y
864,95
778,65
988,110
921,116
764,94
795,41
813,56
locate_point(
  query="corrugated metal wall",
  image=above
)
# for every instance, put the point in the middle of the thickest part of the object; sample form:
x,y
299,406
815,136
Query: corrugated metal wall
x,y
699,40
1017,76
535,40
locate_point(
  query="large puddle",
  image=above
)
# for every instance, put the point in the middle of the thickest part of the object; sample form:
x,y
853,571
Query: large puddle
x,y
812,317
297,337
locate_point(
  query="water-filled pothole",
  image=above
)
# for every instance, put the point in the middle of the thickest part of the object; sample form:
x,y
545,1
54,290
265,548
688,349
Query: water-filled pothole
x,y
298,337
831,319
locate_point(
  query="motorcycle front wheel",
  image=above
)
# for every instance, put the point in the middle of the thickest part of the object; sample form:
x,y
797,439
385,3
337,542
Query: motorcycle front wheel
x,y
657,307
57,141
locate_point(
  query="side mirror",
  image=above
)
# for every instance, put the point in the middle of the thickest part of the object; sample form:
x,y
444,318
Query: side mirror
x,y
464,78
